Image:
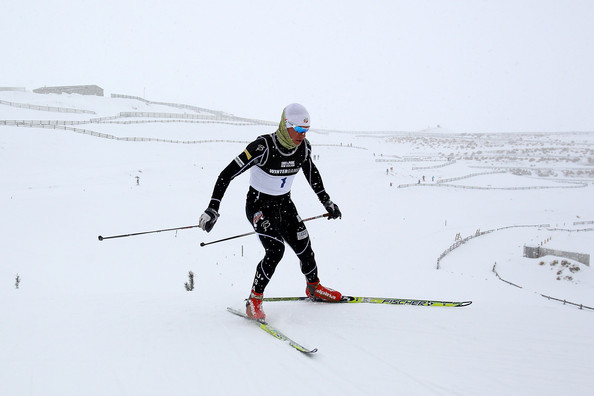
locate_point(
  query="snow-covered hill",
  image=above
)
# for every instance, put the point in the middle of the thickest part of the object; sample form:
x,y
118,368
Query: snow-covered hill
x,y
113,317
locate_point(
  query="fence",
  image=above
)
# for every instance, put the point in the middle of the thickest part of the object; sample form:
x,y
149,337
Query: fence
x,y
214,117
176,105
46,108
481,233
478,233
40,123
443,183
453,179
61,125
583,222
434,166
581,306
183,116
503,280
219,115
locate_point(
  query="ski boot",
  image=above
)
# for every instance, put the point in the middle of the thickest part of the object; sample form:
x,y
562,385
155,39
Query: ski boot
x,y
316,291
253,306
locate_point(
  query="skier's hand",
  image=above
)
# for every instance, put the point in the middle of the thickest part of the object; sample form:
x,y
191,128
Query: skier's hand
x,y
333,210
208,219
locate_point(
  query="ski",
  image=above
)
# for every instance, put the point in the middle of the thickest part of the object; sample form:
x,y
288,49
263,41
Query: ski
x,y
379,300
274,332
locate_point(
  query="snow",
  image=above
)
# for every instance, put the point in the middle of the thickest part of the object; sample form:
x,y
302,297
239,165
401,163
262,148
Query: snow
x,y
113,317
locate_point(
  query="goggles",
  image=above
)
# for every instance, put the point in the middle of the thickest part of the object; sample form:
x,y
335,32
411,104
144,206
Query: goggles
x,y
297,128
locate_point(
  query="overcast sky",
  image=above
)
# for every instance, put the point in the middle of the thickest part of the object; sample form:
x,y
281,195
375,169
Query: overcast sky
x,y
469,66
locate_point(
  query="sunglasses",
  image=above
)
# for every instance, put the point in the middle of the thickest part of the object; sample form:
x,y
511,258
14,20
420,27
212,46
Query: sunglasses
x,y
297,128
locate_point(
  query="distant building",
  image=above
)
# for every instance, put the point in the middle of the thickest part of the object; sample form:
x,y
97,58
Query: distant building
x,y
77,89
531,251
18,89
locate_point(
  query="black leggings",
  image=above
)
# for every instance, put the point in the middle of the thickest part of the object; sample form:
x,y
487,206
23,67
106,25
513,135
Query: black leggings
x,y
276,221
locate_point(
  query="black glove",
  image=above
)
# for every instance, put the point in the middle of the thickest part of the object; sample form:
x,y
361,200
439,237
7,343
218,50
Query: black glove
x,y
208,219
333,211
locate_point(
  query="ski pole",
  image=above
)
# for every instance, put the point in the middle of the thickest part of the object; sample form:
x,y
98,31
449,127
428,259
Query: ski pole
x,y
253,232
101,238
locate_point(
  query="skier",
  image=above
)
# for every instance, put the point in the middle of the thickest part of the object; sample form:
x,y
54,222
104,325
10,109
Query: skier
x,y
274,160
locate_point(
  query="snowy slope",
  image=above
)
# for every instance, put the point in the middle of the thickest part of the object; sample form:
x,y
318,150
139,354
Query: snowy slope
x,y
113,317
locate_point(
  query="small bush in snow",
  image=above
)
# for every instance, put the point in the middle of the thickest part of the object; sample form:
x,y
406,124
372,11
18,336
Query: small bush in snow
x,y
190,283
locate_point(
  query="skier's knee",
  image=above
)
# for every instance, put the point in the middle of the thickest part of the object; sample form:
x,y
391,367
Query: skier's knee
x,y
276,252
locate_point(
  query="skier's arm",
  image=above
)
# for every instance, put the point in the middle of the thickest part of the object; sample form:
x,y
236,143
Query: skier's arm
x,y
240,164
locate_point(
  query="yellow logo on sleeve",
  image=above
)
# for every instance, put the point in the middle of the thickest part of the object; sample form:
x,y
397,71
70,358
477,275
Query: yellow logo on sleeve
x,y
247,154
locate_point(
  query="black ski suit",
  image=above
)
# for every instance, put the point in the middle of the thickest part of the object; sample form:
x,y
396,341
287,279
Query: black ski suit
x,y
269,207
